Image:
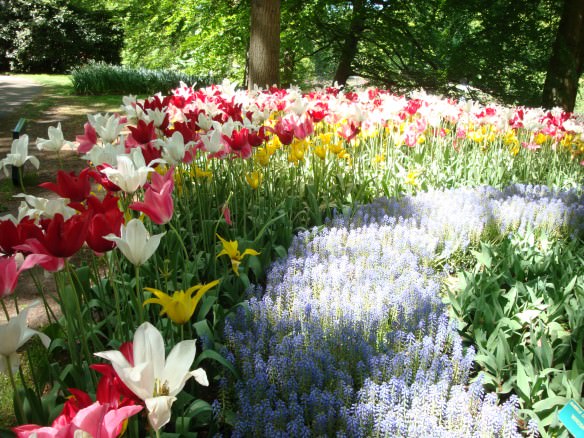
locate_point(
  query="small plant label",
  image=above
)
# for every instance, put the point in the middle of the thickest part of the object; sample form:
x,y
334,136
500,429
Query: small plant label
x,y
572,416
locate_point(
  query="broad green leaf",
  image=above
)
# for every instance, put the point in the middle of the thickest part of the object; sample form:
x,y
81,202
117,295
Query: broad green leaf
x,y
523,382
214,355
548,403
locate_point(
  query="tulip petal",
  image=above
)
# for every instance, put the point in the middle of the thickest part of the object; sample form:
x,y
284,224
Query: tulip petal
x,y
200,376
178,363
149,349
34,161
138,379
159,411
152,245
114,418
29,333
90,418
11,333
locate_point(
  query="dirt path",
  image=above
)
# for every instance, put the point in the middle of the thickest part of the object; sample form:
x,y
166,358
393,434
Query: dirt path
x,y
15,92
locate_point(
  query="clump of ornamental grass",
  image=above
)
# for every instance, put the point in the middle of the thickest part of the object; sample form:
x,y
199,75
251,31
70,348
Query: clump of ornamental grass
x,y
100,78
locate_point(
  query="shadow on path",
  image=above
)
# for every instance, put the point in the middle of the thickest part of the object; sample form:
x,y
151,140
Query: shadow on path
x,y
15,92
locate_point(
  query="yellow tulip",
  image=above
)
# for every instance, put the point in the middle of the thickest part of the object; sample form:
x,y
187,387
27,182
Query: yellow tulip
x,y
320,152
262,156
181,305
254,179
230,248
540,138
411,178
200,173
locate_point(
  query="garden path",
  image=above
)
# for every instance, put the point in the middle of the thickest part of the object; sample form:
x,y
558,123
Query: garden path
x,y
15,92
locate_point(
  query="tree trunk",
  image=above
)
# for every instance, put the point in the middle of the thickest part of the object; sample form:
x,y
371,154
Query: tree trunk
x,y
567,60
264,43
350,45
288,64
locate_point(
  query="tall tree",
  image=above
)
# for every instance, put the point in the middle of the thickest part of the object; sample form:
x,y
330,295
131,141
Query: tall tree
x,y
351,43
567,59
264,43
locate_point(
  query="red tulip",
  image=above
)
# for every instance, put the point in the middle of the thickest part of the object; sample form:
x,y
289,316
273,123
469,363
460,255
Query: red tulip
x,y
141,134
238,143
256,138
8,237
76,188
284,131
12,235
101,225
105,218
63,238
101,178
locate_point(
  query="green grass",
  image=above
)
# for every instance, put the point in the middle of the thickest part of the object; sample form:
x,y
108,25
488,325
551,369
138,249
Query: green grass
x,y
6,409
8,189
58,90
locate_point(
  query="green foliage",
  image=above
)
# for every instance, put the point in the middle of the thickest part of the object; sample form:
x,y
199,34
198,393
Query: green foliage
x,y
55,35
503,49
201,38
522,305
100,79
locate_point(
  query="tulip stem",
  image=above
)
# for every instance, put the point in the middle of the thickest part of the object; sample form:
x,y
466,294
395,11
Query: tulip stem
x,y
17,400
137,297
41,290
15,299
21,178
81,323
182,244
5,310
116,294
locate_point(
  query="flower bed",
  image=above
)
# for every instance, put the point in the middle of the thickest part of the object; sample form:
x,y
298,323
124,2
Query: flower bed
x,y
350,335
187,201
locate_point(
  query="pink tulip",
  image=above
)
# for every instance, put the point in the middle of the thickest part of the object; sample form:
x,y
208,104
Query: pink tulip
x,y
157,205
226,214
157,181
304,127
87,140
8,276
97,420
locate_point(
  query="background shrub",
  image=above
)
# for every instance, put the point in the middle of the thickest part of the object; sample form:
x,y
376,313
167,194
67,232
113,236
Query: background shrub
x,y
101,78
53,36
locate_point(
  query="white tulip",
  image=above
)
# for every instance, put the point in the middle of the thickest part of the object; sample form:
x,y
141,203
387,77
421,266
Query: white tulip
x,y
55,142
35,207
13,335
135,242
153,378
131,172
174,148
18,155
108,128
